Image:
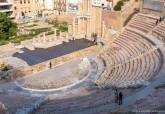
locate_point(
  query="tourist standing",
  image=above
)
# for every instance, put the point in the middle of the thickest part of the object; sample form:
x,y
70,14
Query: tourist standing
x,y
120,98
50,65
157,21
116,96
160,19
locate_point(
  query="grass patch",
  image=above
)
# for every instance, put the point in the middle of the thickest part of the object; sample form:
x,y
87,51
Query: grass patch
x,y
3,42
61,26
18,39
40,30
33,25
50,33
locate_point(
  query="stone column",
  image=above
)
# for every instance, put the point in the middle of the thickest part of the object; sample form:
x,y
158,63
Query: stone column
x,y
83,21
78,25
55,31
87,25
33,39
103,29
44,37
39,39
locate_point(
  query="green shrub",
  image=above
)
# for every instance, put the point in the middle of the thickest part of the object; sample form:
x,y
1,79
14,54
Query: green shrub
x,y
50,32
38,31
117,8
33,33
4,67
119,5
63,28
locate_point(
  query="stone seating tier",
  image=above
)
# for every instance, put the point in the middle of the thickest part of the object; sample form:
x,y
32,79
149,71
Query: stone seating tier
x,y
143,22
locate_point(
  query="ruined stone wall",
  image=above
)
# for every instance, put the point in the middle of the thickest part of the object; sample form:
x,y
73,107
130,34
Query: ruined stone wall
x,y
112,19
63,17
96,21
116,19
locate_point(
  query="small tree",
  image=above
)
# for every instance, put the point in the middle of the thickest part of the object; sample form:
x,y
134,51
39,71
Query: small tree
x,y
117,8
5,67
119,5
7,27
63,27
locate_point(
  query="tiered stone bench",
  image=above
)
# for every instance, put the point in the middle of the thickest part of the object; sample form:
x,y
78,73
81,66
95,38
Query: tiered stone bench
x,y
143,22
159,31
131,58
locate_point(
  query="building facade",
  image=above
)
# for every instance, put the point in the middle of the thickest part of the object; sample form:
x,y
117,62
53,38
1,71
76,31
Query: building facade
x,y
23,8
6,6
34,7
48,4
87,20
81,22
60,5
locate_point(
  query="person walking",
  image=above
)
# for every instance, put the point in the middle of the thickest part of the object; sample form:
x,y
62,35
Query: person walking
x,y
116,96
120,98
50,65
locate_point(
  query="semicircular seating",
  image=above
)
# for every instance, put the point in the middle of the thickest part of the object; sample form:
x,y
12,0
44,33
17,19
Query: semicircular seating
x,y
130,57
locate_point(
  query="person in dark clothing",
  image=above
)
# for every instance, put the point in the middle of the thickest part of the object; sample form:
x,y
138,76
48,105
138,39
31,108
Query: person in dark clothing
x,y
116,96
157,21
50,65
160,19
120,98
